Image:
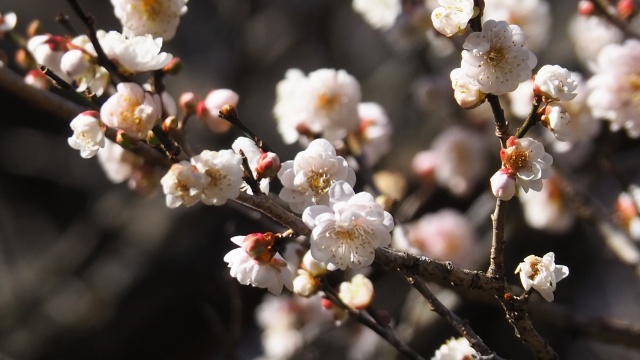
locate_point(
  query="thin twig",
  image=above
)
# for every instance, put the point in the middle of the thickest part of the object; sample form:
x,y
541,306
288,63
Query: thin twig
x,y
609,13
532,119
496,264
502,125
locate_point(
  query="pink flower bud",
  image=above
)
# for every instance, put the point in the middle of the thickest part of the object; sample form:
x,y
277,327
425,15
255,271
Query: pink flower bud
x,y
503,185
173,67
626,9
259,245
37,79
188,103
268,165
424,164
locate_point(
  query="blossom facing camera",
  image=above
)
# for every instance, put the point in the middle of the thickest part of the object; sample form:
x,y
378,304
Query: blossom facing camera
x,y
134,53
555,83
503,184
346,233
527,159
541,274
269,270
183,184
496,58
131,109
87,134
452,16
223,172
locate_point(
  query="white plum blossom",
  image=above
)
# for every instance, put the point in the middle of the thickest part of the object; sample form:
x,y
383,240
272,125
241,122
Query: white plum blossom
x,y
589,34
87,134
37,79
158,18
48,50
347,233
357,293
558,120
547,209
375,131
183,184
532,16
615,88
251,151
496,57
455,349
323,103
268,272
527,160
306,179
8,22
555,83
380,14
209,109
78,64
541,274
466,90
132,110
503,184
223,172
452,16
134,53
117,163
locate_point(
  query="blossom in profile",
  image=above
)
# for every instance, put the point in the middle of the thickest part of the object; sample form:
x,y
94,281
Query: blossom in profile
x,y
223,173
558,120
357,293
380,14
455,349
183,184
158,18
555,83
132,110
264,268
134,53
87,134
466,90
346,233
375,132
541,274
323,103
209,109
306,180
503,184
48,50
614,88
526,159
496,58
452,16
532,16
8,22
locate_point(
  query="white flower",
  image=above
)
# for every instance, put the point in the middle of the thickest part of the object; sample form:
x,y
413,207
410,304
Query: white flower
x,y
325,103
223,172
452,16
375,131
251,151
496,57
183,184
357,293
306,179
532,16
589,34
380,14
271,273
503,185
209,109
48,50
542,274
135,53
527,159
466,90
87,134
8,22
347,233
555,83
75,63
131,109
117,163
548,209
615,87
455,349
558,120
159,18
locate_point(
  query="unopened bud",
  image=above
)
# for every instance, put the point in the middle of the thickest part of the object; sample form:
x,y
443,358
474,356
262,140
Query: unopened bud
x,y
37,79
188,103
34,28
503,185
173,67
268,165
229,112
586,7
259,245
170,123
23,59
626,9
124,140
305,284
357,293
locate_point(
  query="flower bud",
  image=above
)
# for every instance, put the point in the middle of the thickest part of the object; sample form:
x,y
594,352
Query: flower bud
x,y
173,67
188,103
259,245
124,140
313,266
75,63
558,120
34,28
37,79
221,100
586,7
169,123
357,293
503,185
305,284
268,165
626,9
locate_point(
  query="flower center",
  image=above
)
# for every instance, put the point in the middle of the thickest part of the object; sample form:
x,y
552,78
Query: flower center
x,y
519,160
535,268
327,101
496,56
216,178
152,8
634,83
319,182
